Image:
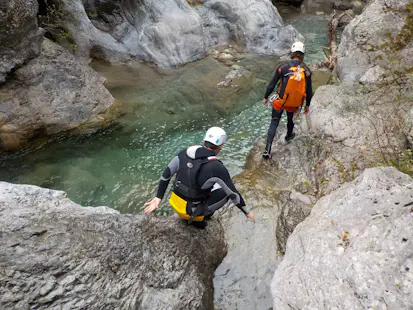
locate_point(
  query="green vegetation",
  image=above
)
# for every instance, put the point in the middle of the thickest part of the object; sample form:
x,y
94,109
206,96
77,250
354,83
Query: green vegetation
x,y
50,17
346,175
405,36
194,2
404,162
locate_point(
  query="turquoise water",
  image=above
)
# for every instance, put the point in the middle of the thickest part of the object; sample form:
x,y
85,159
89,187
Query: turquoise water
x,y
165,111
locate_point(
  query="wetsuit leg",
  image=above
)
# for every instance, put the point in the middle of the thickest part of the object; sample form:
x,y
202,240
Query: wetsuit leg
x,y
290,124
215,201
275,120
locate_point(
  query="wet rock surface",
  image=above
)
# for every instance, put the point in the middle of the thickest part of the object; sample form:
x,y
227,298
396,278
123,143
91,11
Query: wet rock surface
x,y
19,34
354,250
171,33
57,254
242,280
51,94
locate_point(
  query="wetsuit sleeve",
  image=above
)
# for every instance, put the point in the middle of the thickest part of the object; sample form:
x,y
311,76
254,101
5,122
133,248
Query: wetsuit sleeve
x,y
166,177
309,88
222,173
273,82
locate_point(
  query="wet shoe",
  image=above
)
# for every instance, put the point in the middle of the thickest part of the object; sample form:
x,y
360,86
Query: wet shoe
x,y
289,138
265,154
200,225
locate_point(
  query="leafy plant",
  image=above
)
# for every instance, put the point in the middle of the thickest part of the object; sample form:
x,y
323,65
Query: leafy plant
x,y
50,18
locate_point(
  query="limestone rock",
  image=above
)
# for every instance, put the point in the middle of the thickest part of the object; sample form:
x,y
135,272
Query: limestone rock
x,y
294,209
373,75
57,254
355,249
171,33
53,93
326,6
243,279
360,46
19,35
357,117
281,192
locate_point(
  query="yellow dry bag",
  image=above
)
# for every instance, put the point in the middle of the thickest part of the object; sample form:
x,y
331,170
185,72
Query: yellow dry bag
x,y
179,205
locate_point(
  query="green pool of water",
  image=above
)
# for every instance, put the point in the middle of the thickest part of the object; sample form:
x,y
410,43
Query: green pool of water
x,y
165,112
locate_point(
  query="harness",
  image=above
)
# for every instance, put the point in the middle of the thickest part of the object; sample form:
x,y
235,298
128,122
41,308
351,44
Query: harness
x,y
188,199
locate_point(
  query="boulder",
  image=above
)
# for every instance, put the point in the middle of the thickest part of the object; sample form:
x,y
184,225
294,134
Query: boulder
x,y
242,280
373,75
53,93
361,46
255,23
327,6
170,33
366,118
281,192
55,254
19,34
355,249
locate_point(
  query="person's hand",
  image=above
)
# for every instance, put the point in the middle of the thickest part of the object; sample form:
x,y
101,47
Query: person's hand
x,y
152,205
306,109
250,216
265,101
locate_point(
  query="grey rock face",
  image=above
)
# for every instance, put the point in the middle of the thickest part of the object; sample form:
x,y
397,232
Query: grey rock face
x,y
294,209
171,33
242,280
359,49
55,254
256,23
19,35
373,75
281,193
355,249
53,93
363,118
327,6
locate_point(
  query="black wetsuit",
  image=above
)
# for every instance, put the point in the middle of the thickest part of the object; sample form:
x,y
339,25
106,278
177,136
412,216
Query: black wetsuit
x,y
281,74
210,173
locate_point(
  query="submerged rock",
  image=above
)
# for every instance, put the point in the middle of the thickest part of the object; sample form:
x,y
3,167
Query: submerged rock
x,y
57,254
19,35
355,249
53,93
171,33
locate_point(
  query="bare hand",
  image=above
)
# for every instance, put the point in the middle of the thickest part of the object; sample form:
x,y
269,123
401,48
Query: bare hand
x,y
265,101
250,216
152,205
306,110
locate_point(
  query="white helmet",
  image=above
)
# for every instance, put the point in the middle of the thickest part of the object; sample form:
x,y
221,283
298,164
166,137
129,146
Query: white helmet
x,y
298,47
216,136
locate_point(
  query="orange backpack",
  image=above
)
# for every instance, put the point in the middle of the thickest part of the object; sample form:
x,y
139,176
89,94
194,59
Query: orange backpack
x,y
294,93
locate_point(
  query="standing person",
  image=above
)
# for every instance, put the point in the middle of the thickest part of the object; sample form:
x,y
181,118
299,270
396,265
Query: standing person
x,y
295,86
202,184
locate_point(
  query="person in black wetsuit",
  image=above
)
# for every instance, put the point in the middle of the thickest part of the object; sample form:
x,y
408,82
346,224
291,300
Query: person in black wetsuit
x,y
202,182
281,101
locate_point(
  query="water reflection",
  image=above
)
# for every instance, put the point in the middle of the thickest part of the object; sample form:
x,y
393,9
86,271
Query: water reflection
x,y
165,111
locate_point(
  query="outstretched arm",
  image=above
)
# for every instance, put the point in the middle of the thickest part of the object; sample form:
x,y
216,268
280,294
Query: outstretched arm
x,y
221,176
163,185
